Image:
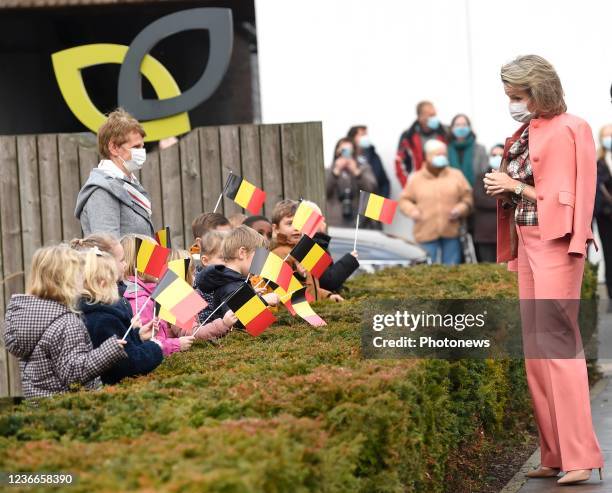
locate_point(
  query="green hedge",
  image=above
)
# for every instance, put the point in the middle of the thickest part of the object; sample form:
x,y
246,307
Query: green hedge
x,y
295,409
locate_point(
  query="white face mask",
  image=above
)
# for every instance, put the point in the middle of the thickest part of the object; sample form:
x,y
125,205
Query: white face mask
x,y
139,156
519,112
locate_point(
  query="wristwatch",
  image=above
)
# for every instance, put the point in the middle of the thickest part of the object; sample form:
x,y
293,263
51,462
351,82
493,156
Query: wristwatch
x,y
518,190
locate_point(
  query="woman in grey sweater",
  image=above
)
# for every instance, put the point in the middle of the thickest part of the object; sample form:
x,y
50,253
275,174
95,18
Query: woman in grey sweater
x,y
112,200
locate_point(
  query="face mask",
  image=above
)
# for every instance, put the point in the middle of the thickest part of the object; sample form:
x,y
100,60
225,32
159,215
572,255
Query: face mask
x,y
139,156
439,161
519,112
364,142
346,152
495,161
433,122
607,142
461,132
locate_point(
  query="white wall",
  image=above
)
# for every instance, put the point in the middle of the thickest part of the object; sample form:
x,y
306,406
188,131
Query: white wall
x,y
349,62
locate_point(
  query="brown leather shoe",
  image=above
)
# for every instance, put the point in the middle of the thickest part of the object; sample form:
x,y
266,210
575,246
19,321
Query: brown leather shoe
x,y
544,472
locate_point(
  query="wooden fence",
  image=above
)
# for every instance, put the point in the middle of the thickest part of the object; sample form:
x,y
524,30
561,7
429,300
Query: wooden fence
x,y
40,177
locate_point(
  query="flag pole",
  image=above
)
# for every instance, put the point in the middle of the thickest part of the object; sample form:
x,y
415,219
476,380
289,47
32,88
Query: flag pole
x,y
356,229
137,315
213,312
222,192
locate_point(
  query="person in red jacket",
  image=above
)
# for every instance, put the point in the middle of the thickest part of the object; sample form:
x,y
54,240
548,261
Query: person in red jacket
x,y
410,155
546,191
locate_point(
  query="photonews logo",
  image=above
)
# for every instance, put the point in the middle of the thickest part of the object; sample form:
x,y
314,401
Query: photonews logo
x,y
163,117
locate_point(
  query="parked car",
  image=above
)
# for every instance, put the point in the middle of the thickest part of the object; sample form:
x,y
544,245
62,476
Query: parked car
x,y
377,250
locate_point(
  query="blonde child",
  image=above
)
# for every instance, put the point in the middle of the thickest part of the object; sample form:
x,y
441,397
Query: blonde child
x,y
44,329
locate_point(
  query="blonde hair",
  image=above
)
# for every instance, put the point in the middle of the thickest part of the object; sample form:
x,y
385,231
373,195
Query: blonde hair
x,y
211,242
54,275
128,242
601,151
116,129
105,242
179,253
536,76
100,276
239,237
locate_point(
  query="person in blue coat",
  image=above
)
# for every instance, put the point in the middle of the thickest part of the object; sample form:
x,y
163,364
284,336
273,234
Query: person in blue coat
x,y
106,314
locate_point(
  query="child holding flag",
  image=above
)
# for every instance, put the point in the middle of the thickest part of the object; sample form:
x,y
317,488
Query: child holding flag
x,y
105,317
43,329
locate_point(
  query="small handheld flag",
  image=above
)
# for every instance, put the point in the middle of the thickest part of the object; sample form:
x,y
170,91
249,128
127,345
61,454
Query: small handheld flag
x,y
312,256
250,309
178,297
306,219
300,305
376,207
151,258
244,193
163,237
270,266
180,267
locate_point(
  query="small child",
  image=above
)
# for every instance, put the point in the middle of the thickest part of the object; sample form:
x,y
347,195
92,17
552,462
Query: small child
x,y
210,254
105,317
286,236
138,293
205,222
261,224
216,328
222,280
44,329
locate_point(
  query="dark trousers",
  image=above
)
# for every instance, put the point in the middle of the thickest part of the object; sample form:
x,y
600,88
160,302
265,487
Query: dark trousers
x,y
604,225
486,252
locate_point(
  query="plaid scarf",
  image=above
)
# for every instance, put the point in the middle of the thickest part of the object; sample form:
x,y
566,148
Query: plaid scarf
x,y
519,168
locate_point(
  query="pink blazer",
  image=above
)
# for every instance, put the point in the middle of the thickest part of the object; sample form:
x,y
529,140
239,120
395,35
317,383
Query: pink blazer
x,y
564,164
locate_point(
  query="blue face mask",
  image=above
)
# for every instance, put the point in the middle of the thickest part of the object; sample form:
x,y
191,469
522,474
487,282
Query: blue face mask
x,y
364,142
461,132
439,161
346,152
495,162
607,142
433,122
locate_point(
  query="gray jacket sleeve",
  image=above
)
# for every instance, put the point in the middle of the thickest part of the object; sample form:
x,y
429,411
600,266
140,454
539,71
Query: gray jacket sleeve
x,y
104,213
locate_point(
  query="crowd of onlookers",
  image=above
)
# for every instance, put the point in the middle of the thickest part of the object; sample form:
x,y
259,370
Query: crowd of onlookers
x,y
441,169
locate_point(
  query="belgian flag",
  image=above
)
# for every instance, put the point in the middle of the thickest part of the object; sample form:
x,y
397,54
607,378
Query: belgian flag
x,y
180,267
312,256
251,310
245,194
306,219
376,207
163,237
151,258
164,314
270,266
300,305
178,297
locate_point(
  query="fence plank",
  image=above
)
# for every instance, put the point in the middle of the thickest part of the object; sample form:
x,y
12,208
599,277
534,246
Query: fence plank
x,y
271,166
191,182
250,155
210,168
303,171
4,375
29,196
70,184
12,253
50,202
88,160
229,138
172,196
151,181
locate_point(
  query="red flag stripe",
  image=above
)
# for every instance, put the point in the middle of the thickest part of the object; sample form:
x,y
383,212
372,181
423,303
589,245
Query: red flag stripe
x,y
310,227
256,201
188,307
388,211
156,266
323,263
260,323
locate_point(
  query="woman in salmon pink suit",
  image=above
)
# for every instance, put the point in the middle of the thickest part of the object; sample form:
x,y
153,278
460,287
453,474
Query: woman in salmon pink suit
x,y
546,191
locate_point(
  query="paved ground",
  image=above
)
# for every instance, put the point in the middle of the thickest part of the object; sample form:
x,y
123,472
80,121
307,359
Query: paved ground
x,y
601,406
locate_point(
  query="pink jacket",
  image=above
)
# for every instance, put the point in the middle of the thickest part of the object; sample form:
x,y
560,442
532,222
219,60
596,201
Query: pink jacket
x,y
170,344
563,161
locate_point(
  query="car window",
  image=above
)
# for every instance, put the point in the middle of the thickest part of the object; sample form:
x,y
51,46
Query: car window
x,y
338,247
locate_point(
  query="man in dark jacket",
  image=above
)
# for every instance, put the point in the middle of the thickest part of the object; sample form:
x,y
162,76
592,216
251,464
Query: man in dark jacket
x,y
107,320
410,155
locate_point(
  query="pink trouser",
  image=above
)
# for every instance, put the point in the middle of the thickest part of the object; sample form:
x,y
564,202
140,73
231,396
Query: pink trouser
x,y
559,388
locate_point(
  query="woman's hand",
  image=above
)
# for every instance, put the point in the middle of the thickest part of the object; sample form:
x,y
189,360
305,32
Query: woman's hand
x,y
454,214
339,164
497,183
416,215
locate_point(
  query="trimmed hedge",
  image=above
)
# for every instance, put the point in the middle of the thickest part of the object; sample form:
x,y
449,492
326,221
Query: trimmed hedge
x,y
295,409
